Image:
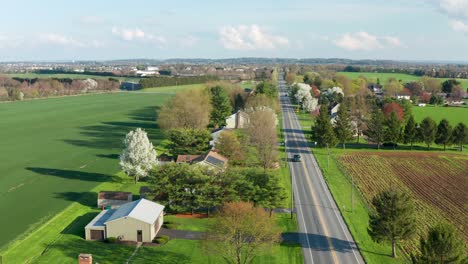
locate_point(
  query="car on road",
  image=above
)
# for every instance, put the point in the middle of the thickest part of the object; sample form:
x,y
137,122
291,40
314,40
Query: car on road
x,y
296,158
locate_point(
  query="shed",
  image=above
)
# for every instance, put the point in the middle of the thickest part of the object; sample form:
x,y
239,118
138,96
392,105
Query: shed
x,y
113,199
137,221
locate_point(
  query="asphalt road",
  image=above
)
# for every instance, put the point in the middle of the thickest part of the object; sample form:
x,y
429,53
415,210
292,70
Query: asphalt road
x,y
324,236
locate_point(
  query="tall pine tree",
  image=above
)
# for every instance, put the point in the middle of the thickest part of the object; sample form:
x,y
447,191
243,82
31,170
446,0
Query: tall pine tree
x,y
344,130
221,106
411,131
322,131
376,128
460,135
444,133
393,219
427,131
442,245
393,129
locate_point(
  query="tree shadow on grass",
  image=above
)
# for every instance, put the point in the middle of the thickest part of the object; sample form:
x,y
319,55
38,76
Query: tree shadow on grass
x,y
77,226
108,156
110,134
84,198
73,175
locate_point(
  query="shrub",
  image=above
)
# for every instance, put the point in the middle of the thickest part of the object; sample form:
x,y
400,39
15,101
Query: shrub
x,y
161,239
111,240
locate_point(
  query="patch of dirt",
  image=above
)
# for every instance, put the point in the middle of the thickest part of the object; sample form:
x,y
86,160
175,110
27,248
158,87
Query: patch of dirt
x,y
191,215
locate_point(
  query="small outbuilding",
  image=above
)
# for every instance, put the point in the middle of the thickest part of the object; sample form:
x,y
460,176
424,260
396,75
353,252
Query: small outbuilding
x,y
111,200
137,221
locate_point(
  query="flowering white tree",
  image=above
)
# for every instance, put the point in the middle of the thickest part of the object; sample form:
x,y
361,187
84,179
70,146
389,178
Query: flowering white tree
x,y
309,103
304,97
139,156
335,89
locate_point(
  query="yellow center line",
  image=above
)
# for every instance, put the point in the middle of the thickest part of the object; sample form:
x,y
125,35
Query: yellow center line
x,y
314,198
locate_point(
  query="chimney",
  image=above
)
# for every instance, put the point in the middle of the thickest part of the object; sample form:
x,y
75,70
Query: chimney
x,y
85,259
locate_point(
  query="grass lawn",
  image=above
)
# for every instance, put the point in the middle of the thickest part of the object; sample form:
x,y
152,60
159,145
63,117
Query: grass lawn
x,y
454,115
68,75
399,76
191,224
172,89
54,151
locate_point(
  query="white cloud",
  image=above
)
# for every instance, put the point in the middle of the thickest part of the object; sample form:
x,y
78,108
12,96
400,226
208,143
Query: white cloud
x,y
459,25
457,8
366,42
251,37
138,35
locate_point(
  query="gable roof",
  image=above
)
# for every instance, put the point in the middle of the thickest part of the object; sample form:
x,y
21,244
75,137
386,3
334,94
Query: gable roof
x,y
110,195
187,158
214,159
142,209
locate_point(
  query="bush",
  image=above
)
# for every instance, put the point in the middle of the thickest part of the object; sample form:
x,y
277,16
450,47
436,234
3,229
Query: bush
x,y
111,240
161,239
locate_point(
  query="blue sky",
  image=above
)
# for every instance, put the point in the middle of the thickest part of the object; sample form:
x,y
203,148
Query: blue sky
x,y
104,29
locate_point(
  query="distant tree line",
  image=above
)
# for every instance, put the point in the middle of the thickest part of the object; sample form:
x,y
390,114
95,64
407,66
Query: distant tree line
x,y
172,81
13,89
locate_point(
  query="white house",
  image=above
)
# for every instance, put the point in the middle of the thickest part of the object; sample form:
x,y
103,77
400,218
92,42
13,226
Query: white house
x,y
138,221
406,97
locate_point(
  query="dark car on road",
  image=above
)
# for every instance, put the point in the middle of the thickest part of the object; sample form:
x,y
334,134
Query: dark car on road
x,y
296,158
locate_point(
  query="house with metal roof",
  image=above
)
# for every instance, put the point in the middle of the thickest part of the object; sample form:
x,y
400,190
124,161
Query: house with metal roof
x,y
137,221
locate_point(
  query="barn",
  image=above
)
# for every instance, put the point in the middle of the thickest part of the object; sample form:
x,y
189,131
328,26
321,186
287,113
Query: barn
x,y
137,221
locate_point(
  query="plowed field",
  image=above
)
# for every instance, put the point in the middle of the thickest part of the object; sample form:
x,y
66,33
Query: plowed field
x,y
437,181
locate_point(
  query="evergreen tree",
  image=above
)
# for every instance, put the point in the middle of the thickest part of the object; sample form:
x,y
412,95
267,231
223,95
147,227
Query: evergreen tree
x,y
427,131
343,128
322,131
460,135
376,128
444,133
411,131
393,129
393,219
221,106
442,246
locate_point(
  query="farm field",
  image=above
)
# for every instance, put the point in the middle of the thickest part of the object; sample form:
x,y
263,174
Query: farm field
x,y
454,115
399,76
437,181
67,75
54,151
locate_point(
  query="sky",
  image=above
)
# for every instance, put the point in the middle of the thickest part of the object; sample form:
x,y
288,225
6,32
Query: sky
x,y
122,29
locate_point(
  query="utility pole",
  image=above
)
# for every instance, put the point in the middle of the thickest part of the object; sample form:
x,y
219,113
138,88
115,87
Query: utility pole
x,y
328,157
352,194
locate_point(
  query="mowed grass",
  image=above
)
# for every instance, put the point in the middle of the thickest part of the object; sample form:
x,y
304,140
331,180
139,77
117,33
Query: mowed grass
x,y
54,151
454,115
383,77
66,75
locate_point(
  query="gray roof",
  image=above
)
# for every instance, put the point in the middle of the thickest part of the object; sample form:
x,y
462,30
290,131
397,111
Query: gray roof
x,y
142,209
101,218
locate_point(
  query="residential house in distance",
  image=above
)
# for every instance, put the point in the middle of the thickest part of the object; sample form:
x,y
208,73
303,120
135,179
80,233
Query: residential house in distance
x,y
240,119
211,159
376,89
113,199
405,97
137,221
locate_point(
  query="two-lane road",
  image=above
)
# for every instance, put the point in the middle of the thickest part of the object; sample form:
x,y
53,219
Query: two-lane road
x,y
324,235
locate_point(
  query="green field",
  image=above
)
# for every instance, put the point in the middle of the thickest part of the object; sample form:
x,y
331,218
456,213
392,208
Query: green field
x,y
56,150
453,114
66,75
399,76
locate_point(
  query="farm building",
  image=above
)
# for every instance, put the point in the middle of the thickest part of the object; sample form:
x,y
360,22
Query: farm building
x,y
113,199
138,221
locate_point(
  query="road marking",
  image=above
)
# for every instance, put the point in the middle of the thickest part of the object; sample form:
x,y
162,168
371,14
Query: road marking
x,y
314,198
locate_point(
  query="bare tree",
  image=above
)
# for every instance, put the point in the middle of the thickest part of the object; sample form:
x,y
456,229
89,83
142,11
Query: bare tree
x,y
240,232
188,109
262,134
